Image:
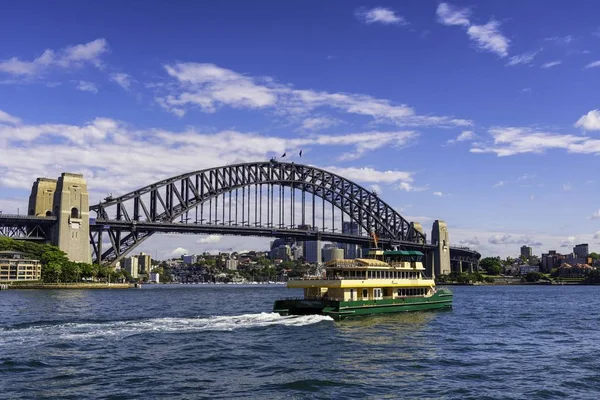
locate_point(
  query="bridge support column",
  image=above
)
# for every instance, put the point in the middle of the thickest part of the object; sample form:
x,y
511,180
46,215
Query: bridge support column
x,y
71,208
440,238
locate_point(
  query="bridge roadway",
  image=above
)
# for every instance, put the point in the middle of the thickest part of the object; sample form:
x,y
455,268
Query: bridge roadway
x,y
27,227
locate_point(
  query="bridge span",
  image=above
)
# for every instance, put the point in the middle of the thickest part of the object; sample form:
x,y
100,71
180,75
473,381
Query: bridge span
x,y
269,199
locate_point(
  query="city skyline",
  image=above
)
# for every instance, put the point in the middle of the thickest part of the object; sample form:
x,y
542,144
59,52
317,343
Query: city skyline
x,y
482,116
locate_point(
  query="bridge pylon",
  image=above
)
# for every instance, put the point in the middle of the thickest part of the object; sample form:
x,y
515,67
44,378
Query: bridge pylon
x,y
72,209
441,254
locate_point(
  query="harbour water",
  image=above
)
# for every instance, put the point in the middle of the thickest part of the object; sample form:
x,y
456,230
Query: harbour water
x,y
221,341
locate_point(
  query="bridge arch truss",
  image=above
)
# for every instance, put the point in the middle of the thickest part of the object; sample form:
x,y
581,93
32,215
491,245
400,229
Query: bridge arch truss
x,y
273,195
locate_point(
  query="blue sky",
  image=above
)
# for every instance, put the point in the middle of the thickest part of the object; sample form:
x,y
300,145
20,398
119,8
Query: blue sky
x,y
483,115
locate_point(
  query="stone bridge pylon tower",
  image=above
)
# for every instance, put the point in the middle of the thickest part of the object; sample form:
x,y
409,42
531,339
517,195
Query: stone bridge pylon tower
x,y
65,198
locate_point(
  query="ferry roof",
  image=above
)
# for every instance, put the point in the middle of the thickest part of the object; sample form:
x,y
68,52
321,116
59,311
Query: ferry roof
x,y
371,262
402,253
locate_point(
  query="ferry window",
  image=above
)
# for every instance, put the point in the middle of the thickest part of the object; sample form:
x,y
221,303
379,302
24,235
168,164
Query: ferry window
x,y
399,292
365,293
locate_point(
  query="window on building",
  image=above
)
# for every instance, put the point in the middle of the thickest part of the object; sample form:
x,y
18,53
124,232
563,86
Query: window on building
x,y
74,212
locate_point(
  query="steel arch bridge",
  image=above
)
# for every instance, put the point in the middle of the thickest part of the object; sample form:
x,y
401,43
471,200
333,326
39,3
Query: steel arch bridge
x,y
252,199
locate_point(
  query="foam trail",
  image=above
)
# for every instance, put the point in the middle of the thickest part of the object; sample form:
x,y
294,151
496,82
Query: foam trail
x,y
121,329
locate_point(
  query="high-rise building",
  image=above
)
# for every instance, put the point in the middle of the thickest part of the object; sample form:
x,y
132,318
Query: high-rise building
x,y
581,250
144,263
312,251
283,252
350,250
131,265
526,251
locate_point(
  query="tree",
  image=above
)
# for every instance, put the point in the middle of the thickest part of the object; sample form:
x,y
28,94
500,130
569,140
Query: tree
x,y
593,277
594,256
533,276
491,265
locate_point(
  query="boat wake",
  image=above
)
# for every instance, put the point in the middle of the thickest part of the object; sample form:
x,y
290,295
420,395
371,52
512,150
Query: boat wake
x,y
121,329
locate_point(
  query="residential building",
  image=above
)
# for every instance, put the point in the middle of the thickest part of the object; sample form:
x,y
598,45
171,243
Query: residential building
x,y
525,269
15,266
154,277
189,259
144,263
231,263
581,250
131,265
297,253
526,251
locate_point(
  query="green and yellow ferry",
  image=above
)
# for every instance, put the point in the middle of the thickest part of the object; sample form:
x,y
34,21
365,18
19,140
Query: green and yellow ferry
x,y
386,282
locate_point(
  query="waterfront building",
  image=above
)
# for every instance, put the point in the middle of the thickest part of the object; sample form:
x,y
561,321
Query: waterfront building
x,y
581,250
154,277
231,264
525,269
144,263
331,252
574,271
526,251
131,265
551,260
15,266
189,259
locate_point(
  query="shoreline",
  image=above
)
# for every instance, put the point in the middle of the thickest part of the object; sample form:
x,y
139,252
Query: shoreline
x,y
71,286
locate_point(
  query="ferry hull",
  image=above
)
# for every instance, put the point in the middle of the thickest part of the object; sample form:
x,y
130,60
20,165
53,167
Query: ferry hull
x,y
339,310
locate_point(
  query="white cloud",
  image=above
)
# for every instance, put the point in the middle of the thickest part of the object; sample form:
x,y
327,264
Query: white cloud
x,y
318,123
563,40
178,252
113,155
551,64
471,242
7,118
595,215
121,79
380,15
463,137
597,235
209,87
525,58
408,187
376,188
87,87
367,174
593,64
498,184
509,239
526,176
590,121
488,38
532,197
569,242
69,57
449,15
517,140
440,194
209,239
567,187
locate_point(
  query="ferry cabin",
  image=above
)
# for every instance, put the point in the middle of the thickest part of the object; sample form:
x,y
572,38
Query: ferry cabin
x,y
389,275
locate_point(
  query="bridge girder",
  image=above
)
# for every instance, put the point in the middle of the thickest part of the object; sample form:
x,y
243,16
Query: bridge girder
x,y
172,198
